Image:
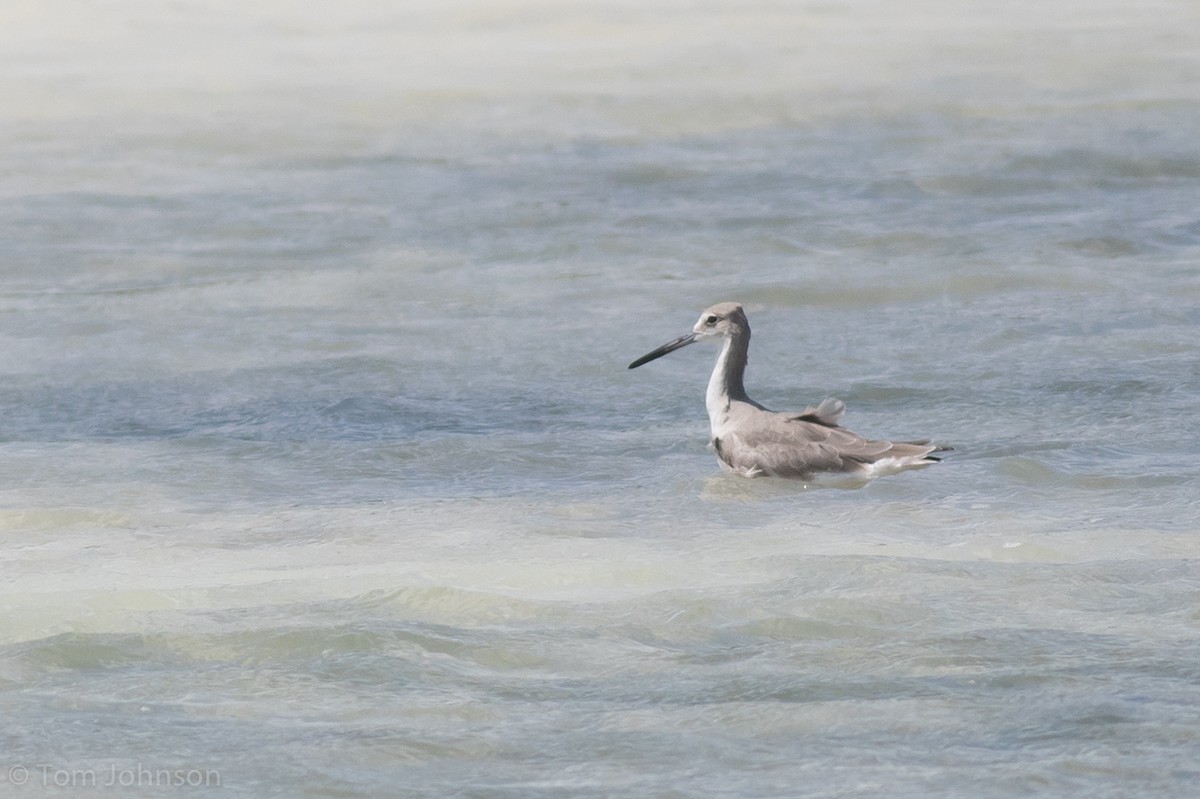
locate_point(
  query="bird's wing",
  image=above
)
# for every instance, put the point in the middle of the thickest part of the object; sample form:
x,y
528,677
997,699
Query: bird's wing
x,y
789,445
828,414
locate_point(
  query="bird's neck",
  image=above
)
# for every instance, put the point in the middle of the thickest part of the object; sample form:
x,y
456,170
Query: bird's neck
x,y
725,385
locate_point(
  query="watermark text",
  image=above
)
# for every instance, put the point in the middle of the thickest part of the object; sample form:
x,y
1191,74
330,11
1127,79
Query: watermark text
x,y
113,775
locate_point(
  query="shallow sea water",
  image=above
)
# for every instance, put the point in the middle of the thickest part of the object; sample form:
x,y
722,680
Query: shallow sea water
x,y
321,473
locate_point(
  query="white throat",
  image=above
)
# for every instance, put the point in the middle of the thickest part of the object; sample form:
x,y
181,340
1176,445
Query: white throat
x,y
716,399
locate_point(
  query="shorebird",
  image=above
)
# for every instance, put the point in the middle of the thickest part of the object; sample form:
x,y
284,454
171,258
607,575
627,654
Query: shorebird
x,y
753,441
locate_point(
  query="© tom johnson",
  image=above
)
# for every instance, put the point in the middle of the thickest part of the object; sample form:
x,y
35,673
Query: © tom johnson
x,y
129,777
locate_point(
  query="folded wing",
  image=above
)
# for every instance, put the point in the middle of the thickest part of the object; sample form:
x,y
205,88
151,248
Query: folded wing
x,y
802,445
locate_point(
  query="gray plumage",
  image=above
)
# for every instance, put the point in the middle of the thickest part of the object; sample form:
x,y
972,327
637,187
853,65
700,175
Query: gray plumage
x,y
754,441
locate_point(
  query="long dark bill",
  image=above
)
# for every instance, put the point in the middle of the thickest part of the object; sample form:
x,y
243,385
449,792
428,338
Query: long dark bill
x,y
670,346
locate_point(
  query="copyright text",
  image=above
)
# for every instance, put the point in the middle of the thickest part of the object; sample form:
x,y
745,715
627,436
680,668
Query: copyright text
x,y
136,775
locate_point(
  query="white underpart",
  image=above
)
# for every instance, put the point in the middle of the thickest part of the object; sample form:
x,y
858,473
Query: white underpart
x,y
716,398
891,465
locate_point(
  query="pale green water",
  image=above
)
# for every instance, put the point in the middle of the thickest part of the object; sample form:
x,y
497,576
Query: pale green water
x,y
321,473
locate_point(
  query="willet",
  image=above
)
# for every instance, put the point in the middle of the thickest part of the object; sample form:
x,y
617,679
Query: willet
x,y
753,441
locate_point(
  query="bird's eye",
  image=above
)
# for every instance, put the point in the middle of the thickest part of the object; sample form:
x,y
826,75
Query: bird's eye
x,y
710,321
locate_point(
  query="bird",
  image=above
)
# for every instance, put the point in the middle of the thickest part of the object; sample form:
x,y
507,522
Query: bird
x,y
753,441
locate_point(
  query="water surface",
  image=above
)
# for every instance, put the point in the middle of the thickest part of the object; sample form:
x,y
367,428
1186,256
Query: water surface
x,y
321,470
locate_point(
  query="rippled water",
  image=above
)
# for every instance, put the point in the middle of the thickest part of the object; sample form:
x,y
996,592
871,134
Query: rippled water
x,y
321,473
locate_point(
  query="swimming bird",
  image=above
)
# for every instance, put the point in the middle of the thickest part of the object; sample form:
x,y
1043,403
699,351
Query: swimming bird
x,y
753,441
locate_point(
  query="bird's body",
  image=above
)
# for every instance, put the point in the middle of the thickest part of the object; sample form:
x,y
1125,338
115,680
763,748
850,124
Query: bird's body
x,y
753,441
